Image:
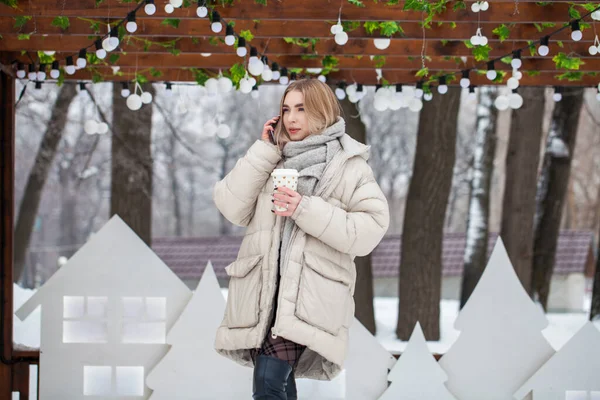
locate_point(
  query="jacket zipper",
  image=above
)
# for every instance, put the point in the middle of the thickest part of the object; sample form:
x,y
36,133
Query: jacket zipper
x,y
279,295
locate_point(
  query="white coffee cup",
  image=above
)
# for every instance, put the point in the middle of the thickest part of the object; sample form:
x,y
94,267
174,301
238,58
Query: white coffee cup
x,y
287,178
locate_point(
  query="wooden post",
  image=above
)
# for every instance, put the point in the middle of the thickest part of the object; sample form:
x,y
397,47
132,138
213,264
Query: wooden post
x,y
7,140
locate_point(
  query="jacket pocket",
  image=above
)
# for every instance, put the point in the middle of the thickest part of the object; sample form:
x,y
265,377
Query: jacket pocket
x,y
323,295
243,299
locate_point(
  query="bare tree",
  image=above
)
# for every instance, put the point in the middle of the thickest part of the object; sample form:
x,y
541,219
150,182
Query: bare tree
x,y
475,256
552,186
363,292
522,161
132,165
37,177
421,255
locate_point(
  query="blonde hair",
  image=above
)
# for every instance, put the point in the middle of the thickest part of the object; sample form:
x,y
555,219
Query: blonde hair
x,y
320,104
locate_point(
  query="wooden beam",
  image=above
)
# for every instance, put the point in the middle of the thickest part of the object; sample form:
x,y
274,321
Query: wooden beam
x,y
367,77
7,167
320,10
225,61
151,26
362,47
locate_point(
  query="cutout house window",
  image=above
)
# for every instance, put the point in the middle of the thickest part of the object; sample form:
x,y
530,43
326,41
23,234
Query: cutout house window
x,y
144,319
85,319
111,381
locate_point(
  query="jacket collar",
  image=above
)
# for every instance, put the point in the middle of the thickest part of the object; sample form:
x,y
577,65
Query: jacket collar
x,y
354,148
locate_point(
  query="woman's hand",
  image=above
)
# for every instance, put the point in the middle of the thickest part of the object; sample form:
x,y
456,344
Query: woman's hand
x,y
286,198
267,127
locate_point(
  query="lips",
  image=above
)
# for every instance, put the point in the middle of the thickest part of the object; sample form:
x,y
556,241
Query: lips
x,y
294,130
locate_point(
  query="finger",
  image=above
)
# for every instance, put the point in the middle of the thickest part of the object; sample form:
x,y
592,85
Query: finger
x,y
281,204
286,190
282,197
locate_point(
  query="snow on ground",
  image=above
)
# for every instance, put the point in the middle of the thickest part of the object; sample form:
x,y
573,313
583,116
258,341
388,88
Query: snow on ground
x,y
560,329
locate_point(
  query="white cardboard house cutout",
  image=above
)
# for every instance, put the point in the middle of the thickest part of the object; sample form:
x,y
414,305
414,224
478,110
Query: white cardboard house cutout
x,y
501,344
364,376
105,315
192,369
417,375
575,367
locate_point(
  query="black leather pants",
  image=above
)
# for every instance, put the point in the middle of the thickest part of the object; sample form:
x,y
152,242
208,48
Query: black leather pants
x,y
273,379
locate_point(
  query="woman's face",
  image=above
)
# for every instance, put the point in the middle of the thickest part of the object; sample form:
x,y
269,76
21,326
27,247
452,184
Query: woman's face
x,y
294,116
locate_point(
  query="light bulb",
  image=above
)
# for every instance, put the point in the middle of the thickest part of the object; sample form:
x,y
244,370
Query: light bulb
x,y
442,89
223,131
229,40
543,50
465,83
322,78
276,75
146,97
428,96
211,85
241,51
254,94
382,44
102,128
125,92
131,26
336,28
483,40
101,54
517,74
21,74
70,69
576,35
593,50
340,93
114,42
418,93
134,102
150,8
491,74
32,74
341,38
169,8
557,97
515,101
415,105
202,12
475,40
54,74
475,7
216,26
516,63
225,84
255,66
90,127
49,52
501,102
81,62
284,80
512,83
267,74
484,6
176,3
41,75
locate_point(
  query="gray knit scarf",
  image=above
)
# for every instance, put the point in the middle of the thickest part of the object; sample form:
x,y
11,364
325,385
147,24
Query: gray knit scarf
x,y
310,156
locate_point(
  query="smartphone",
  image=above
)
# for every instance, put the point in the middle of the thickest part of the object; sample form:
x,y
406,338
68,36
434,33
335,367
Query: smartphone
x,y
272,133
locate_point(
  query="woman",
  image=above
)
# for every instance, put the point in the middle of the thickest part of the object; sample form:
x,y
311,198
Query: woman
x,y
290,301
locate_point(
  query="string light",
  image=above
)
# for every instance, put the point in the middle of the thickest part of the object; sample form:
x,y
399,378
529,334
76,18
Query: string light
x,y
125,92
472,93
557,95
241,50
82,58
20,71
100,52
491,72
38,85
516,60
283,79
465,81
32,74
543,50
216,25
70,68
150,8
54,71
576,34
276,72
442,88
202,11
229,35
340,91
41,75
131,25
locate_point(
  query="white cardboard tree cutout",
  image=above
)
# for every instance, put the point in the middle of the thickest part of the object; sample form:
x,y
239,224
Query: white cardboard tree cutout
x,y
575,367
417,375
364,375
501,344
105,314
192,369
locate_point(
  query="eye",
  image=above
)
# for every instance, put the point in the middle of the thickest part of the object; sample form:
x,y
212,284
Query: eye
x,y
300,109
285,110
